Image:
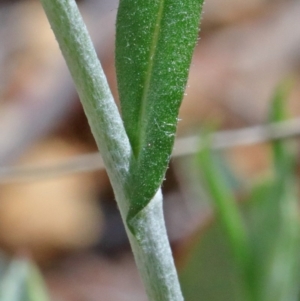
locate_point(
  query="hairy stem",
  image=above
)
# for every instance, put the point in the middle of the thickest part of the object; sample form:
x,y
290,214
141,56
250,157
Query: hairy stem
x,y
150,244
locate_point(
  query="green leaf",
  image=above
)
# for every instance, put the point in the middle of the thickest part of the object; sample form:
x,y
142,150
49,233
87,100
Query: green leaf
x,y
36,288
225,206
283,152
154,45
275,220
209,271
284,266
13,283
22,281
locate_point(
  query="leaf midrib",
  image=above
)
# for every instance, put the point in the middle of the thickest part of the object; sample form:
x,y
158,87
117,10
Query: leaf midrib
x,y
142,114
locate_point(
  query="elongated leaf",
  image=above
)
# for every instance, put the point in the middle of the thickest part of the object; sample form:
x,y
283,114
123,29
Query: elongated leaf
x,y
154,45
225,206
283,152
284,266
13,283
36,288
22,282
275,220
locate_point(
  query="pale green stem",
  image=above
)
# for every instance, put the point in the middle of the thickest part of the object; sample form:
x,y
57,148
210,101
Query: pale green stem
x,y
150,245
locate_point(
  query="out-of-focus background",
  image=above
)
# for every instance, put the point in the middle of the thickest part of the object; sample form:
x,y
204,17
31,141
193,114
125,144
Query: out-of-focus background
x,y
56,204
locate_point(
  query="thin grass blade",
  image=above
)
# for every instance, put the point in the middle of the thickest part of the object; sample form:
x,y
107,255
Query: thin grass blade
x,y
275,220
284,260
225,205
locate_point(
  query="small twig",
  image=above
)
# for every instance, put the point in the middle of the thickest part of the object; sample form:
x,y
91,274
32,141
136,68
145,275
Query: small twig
x,y
76,164
183,147
240,137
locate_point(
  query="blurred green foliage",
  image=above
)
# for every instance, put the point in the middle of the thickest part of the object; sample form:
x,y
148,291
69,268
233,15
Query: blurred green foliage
x,y
21,281
251,251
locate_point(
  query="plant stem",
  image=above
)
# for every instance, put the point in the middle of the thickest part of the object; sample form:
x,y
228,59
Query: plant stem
x,y
150,244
